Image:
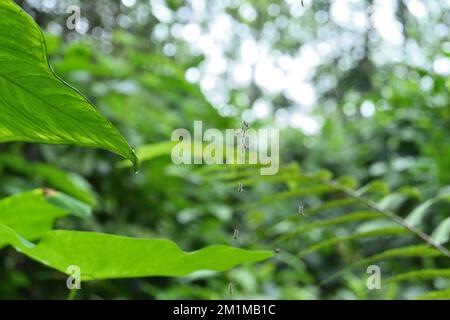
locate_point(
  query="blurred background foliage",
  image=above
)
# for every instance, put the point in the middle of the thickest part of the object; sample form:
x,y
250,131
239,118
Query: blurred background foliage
x,y
359,88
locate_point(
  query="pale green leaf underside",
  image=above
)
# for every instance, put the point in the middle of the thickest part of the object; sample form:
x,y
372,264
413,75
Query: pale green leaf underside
x,y
104,256
35,105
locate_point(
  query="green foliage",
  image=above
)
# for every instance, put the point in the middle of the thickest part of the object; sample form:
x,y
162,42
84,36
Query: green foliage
x,y
436,295
30,214
68,182
371,188
365,214
393,231
103,256
422,275
37,106
442,233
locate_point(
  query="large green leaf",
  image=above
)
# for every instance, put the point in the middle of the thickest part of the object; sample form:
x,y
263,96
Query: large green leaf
x,y
35,104
104,256
29,213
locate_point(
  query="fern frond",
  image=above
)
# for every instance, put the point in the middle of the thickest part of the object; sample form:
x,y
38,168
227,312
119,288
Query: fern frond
x,y
435,295
417,251
333,204
347,218
367,212
421,274
391,231
317,189
397,219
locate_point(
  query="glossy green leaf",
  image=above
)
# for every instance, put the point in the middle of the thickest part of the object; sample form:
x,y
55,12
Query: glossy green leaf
x,y
29,213
104,256
36,105
74,206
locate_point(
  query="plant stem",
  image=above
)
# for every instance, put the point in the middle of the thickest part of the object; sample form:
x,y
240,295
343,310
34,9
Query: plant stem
x,y
72,294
